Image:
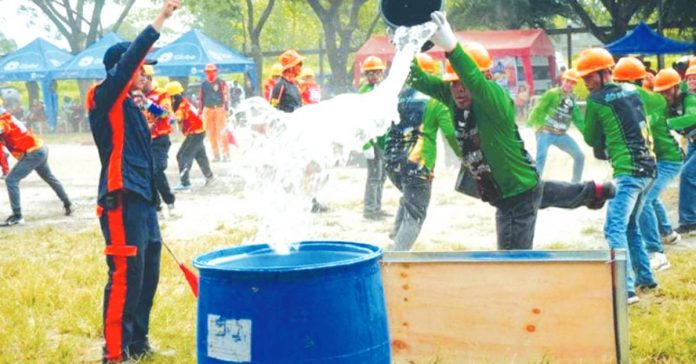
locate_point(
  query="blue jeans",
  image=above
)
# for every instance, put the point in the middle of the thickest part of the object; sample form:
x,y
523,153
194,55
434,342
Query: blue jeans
x,y
413,208
376,175
649,220
565,143
622,229
687,188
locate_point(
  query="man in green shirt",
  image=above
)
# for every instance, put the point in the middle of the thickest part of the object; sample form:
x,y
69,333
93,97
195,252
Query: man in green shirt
x,y
681,117
373,69
411,153
669,157
551,118
492,151
615,119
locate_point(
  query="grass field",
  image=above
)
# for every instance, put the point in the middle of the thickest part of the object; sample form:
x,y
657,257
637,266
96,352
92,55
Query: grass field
x,y
52,283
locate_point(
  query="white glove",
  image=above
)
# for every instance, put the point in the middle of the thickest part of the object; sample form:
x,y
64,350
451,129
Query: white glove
x,y
369,153
444,36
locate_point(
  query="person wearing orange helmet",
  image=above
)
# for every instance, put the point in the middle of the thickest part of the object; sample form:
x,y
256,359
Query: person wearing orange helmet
x,y
653,219
276,72
213,102
411,154
373,70
616,121
494,159
690,78
286,95
681,117
551,118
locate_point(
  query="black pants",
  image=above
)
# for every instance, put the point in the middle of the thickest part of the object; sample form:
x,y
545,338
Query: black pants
x,y
376,176
413,208
133,247
192,148
515,216
160,157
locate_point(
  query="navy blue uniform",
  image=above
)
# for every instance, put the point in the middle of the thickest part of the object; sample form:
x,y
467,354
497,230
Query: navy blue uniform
x,y
126,201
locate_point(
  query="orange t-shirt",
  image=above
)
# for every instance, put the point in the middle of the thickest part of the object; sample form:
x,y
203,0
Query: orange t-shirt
x,y
159,125
17,138
189,120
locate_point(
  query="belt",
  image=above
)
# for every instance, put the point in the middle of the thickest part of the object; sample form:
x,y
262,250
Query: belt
x,y
213,106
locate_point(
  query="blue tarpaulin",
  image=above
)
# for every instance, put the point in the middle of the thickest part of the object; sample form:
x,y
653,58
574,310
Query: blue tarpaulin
x,y
188,55
88,63
35,62
643,40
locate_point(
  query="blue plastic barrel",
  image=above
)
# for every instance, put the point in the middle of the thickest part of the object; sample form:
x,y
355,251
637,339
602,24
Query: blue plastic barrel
x,y
322,303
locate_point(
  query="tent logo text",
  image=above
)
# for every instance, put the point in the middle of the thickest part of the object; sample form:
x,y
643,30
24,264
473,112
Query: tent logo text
x,y
14,65
86,61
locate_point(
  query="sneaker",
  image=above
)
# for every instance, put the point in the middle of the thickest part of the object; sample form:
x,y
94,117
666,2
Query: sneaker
x,y
686,229
379,215
602,193
318,208
14,220
181,188
632,298
172,210
671,238
69,209
226,158
209,180
659,262
216,159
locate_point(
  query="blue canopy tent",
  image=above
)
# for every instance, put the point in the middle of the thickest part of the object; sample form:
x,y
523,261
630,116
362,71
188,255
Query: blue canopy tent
x,y
188,55
88,63
35,62
643,40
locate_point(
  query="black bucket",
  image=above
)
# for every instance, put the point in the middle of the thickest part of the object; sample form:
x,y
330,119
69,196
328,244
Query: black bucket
x,y
408,13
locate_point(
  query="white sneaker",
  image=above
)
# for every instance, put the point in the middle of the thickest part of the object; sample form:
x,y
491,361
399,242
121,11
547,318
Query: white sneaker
x,y
659,262
172,211
632,298
671,238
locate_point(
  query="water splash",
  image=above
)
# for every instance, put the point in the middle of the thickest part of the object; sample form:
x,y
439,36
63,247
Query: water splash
x,y
287,157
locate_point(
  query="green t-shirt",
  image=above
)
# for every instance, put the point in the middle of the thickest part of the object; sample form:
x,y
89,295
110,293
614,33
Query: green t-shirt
x,y
683,117
616,116
555,111
665,146
493,111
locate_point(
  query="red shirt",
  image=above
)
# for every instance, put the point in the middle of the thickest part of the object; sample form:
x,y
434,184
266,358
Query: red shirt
x,y
17,138
311,93
268,88
159,126
189,120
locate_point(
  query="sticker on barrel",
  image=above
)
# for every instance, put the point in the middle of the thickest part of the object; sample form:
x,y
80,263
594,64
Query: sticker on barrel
x,y
229,339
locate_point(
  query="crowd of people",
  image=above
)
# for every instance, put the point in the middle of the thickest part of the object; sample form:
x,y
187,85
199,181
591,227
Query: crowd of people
x,y
631,120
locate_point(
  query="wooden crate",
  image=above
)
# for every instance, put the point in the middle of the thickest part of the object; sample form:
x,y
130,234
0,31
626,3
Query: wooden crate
x,y
511,307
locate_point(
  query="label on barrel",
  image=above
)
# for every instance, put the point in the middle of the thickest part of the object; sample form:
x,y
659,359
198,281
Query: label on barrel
x,y
229,339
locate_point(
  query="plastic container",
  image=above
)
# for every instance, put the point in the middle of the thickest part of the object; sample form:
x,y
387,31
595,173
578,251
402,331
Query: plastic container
x,y
322,303
397,13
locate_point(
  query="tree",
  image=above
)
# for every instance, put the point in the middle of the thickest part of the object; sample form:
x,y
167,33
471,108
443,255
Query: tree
x,y
344,29
7,45
79,21
245,18
619,14
505,14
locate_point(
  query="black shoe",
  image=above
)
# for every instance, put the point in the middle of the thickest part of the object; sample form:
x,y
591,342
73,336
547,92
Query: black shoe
x,y
646,287
14,220
602,193
139,352
379,215
318,208
686,229
69,209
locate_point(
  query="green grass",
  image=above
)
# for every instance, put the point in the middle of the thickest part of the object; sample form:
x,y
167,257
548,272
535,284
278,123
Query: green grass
x,y
52,282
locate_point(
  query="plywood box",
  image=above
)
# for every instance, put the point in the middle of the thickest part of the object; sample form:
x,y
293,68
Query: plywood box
x,y
511,307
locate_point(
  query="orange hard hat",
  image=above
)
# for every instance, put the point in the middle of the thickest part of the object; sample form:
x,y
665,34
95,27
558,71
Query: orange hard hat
x,y
571,75
210,67
593,60
629,69
426,63
373,63
691,71
666,79
276,70
450,75
480,55
290,58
